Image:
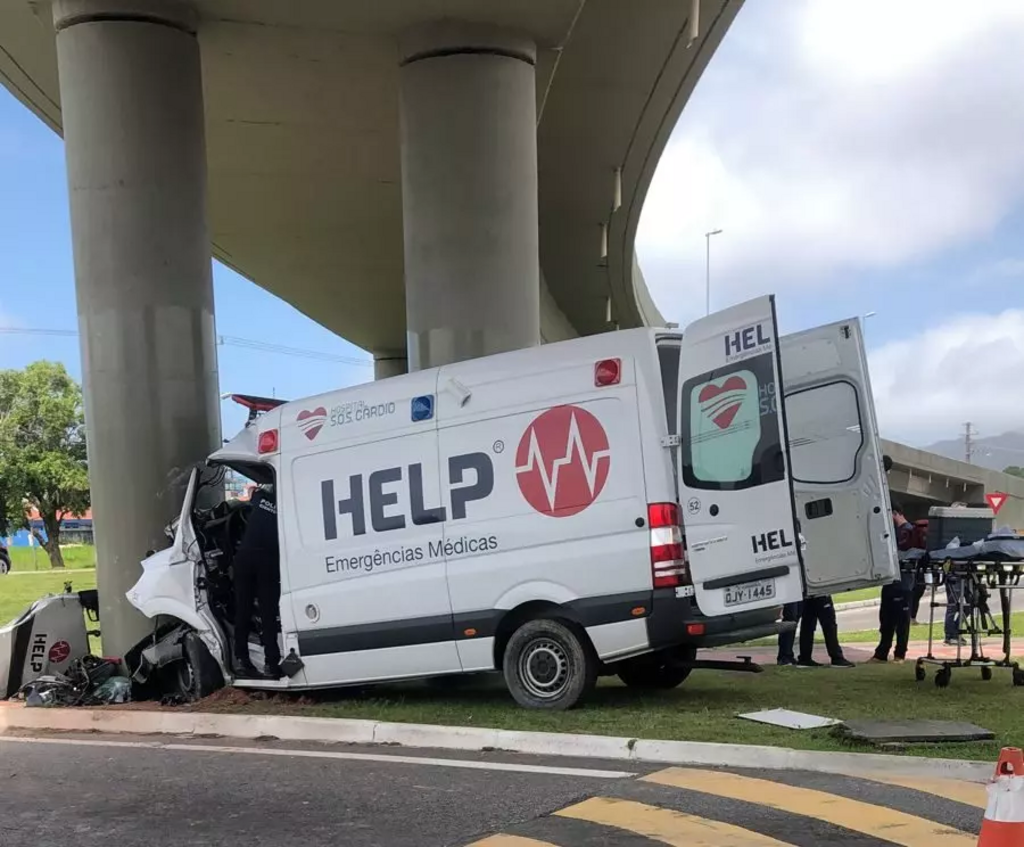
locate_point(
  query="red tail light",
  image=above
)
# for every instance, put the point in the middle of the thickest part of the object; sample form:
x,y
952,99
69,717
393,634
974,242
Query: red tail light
x,y
607,372
668,558
267,442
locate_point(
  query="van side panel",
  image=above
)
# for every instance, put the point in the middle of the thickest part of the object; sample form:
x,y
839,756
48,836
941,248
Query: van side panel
x,y
564,517
361,505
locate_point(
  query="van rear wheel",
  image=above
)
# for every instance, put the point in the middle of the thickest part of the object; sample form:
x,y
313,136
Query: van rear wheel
x,y
657,671
547,665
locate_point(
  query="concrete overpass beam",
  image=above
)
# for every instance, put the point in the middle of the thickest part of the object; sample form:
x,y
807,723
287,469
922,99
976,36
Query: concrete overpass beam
x,y
132,104
389,364
469,192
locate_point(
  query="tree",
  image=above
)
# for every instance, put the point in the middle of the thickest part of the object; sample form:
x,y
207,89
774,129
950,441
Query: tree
x,y
1014,470
42,451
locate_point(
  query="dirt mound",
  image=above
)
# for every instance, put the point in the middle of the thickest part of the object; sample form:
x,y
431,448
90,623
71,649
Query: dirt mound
x,y
225,698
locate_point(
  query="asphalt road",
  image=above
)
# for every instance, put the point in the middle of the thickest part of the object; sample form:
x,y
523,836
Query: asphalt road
x,y
100,790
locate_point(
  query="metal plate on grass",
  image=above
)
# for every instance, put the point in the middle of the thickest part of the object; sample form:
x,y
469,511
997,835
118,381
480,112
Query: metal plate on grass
x,y
789,719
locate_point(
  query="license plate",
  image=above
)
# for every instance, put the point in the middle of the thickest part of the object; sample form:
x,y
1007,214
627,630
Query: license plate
x,y
750,592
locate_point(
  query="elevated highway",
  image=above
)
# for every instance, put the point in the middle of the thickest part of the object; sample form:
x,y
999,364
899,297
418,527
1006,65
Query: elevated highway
x,y
920,479
431,179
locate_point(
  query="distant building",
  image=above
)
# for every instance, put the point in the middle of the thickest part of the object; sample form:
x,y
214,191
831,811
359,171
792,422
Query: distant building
x,y
74,529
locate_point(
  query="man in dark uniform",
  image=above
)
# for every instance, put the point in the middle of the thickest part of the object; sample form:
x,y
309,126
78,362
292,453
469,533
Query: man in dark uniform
x,y
258,579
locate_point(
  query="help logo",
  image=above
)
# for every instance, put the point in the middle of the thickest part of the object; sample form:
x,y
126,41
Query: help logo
x,y
720,403
562,461
311,422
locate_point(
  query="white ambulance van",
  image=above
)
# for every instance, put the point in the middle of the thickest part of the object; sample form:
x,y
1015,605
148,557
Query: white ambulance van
x,y
606,505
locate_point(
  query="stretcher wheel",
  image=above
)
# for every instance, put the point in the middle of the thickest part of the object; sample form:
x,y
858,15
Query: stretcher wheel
x,y
943,677
986,673
1018,676
920,673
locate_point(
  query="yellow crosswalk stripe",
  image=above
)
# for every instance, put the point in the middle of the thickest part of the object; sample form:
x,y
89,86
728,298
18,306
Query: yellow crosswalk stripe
x,y
501,840
867,818
666,825
968,793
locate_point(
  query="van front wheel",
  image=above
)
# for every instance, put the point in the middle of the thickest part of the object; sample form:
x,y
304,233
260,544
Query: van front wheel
x,y
197,674
656,671
547,665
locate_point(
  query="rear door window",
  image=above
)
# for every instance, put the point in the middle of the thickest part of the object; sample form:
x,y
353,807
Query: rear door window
x,y
730,427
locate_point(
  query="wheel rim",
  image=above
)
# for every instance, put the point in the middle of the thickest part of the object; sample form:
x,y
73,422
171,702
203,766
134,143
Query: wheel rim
x,y
186,677
544,668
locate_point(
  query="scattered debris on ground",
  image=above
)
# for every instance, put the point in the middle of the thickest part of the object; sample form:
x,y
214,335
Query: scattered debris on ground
x,y
88,681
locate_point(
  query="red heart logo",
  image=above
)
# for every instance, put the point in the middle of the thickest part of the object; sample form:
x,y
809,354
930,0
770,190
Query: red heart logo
x,y
721,403
311,422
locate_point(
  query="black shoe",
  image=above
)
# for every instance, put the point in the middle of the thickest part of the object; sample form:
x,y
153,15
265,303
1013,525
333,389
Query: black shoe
x,y
843,662
808,663
786,663
274,671
245,669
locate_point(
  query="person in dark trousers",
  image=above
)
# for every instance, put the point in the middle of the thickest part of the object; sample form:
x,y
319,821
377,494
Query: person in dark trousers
x,y
820,610
787,640
258,580
894,611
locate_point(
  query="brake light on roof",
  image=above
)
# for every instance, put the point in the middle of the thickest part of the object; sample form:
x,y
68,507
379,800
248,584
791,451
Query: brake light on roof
x,y
267,442
607,372
668,559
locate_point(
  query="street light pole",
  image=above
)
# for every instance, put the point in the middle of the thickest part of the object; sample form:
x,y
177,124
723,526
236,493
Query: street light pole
x,y
707,270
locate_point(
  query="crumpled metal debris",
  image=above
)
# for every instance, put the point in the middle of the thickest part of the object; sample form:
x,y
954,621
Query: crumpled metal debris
x,y
89,681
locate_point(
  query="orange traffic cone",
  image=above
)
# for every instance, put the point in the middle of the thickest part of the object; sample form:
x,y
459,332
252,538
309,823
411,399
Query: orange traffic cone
x,y
1004,818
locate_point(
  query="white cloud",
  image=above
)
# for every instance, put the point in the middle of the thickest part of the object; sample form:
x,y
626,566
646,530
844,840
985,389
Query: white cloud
x,y
968,369
838,134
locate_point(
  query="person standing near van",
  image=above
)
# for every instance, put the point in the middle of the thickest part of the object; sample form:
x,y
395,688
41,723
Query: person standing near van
x,y
820,610
257,573
894,611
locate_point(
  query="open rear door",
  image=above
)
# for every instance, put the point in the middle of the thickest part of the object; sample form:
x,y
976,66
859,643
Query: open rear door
x,y
841,493
734,485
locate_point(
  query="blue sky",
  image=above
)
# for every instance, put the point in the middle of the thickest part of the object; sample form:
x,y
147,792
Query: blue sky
x,y
856,162
37,289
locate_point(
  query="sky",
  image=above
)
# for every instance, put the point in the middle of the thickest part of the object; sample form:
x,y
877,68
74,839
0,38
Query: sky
x,y
859,155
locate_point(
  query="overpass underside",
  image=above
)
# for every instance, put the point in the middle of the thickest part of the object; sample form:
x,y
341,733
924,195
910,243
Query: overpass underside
x,y
432,180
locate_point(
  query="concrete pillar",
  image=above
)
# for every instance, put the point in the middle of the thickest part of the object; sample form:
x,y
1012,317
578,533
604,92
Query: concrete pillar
x,y
132,106
469,192
389,364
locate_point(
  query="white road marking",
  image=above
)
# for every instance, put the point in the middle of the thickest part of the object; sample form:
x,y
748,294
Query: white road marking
x,y
592,773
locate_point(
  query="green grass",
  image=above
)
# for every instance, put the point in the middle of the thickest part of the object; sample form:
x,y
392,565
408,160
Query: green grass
x,y
35,558
920,632
859,594
704,708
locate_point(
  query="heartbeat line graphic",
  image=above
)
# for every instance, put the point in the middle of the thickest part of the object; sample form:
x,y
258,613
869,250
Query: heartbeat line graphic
x,y
574,447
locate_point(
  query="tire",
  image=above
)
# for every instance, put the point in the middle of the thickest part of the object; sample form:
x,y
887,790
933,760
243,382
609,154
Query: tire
x,y
5,564
197,675
547,665
655,671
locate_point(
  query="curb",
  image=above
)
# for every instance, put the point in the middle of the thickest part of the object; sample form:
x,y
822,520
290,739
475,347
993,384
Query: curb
x,y
858,604
476,739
